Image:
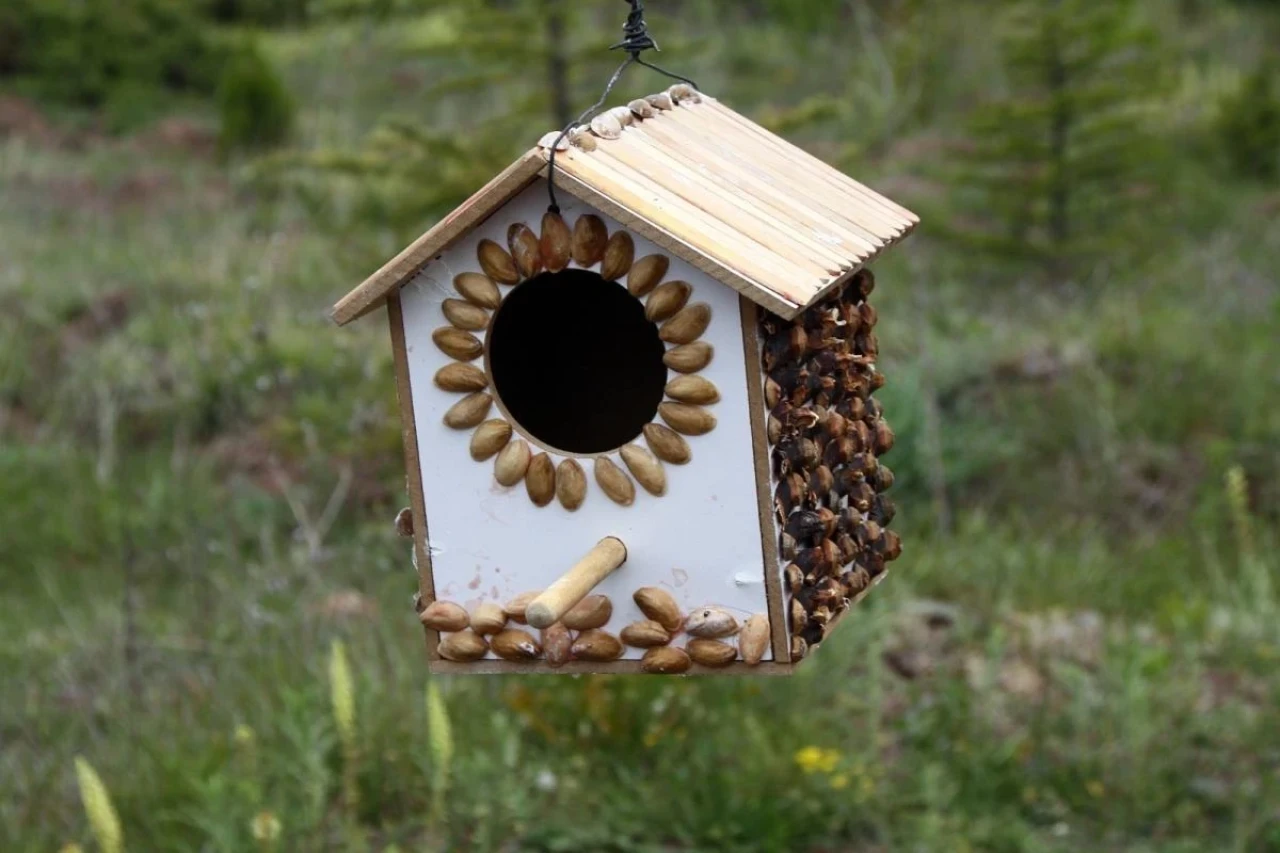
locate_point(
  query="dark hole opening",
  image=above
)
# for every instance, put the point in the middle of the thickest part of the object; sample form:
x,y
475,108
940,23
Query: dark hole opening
x,y
575,362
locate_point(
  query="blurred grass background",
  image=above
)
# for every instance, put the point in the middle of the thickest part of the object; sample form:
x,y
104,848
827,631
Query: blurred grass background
x,y
202,598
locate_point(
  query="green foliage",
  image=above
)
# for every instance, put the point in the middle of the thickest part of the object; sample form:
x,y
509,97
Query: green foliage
x,y
806,15
87,52
196,474
263,12
1249,124
1059,166
256,109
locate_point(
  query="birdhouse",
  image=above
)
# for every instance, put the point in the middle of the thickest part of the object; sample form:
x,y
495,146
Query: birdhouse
x,y
639,425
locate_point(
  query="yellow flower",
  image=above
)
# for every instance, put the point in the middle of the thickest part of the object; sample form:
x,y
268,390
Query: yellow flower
x,y
1095,788
265,827
815,759
243,736
840,781
103,819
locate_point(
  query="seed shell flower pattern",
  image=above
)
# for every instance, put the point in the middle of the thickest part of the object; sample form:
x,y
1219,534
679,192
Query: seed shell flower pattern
x,y
680,325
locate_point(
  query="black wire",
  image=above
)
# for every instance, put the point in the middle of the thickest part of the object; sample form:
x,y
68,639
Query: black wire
x,y
636,40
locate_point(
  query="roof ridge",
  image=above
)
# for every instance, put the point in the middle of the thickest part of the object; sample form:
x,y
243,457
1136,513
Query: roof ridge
x,y
610,123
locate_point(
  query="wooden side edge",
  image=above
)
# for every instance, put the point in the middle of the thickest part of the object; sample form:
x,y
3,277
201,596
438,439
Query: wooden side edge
x,y
675,245
621,667
779,638
444,234
412,465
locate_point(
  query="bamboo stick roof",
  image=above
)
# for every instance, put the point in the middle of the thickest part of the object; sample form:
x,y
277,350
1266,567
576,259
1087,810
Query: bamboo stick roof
x,y
710,186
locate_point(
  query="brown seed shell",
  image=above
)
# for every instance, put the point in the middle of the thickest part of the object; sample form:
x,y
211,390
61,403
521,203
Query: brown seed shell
x,y
478,289
496,263
463,647
468,412
660,606
515,607
753,642
645,634
613,482
557,645
404,522
556,242
596,645
444,616
799,648
594,611
645,467
463,315
514,644
460,377
646,274
513,461
884,437
540,480
619,252
606,126
687,325
711,652
458,344
687,419
689,358
488,618
589,239
489,438
525,251
666,300
711,623
665,660
667,444
799,616
693,389
571,484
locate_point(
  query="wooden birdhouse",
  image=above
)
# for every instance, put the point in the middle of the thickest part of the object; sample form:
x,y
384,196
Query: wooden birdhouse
x,y
640,428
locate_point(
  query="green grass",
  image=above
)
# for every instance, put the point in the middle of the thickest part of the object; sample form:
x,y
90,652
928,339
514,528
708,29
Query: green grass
x,y
177,413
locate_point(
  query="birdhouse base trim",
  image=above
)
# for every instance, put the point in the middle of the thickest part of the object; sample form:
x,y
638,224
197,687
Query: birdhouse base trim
x,y
620,667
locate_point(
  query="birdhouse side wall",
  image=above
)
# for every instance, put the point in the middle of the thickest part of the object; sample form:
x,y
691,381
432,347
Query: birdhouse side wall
x,y
827,436
484,543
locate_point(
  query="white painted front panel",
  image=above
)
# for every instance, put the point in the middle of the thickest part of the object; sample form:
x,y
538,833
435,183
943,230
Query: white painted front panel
x,y
701,541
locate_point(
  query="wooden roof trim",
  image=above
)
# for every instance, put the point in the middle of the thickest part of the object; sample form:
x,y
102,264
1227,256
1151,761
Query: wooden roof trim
x,y
399,270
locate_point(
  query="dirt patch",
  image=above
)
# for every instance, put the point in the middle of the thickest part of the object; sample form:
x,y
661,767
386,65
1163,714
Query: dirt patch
x,y
97,319
19,117
176,136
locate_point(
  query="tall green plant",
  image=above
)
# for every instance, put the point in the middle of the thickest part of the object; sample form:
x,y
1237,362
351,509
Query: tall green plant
x,y
103,819
1063,161
253,103
1249,124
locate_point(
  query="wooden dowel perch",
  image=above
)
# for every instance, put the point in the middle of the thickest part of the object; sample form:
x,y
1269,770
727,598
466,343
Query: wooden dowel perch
x,y
574,585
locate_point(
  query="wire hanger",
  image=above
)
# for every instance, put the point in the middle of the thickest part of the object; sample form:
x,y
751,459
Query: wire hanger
x,y
636,40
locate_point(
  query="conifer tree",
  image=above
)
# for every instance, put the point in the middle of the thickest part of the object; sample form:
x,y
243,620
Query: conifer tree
x,y
1061,164
504,73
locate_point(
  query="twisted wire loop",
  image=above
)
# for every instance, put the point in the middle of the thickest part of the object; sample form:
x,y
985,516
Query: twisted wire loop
x,y
636,40
636,32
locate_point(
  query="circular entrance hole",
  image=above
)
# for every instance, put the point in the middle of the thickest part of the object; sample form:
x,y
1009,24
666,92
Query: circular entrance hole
x,y
575,362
